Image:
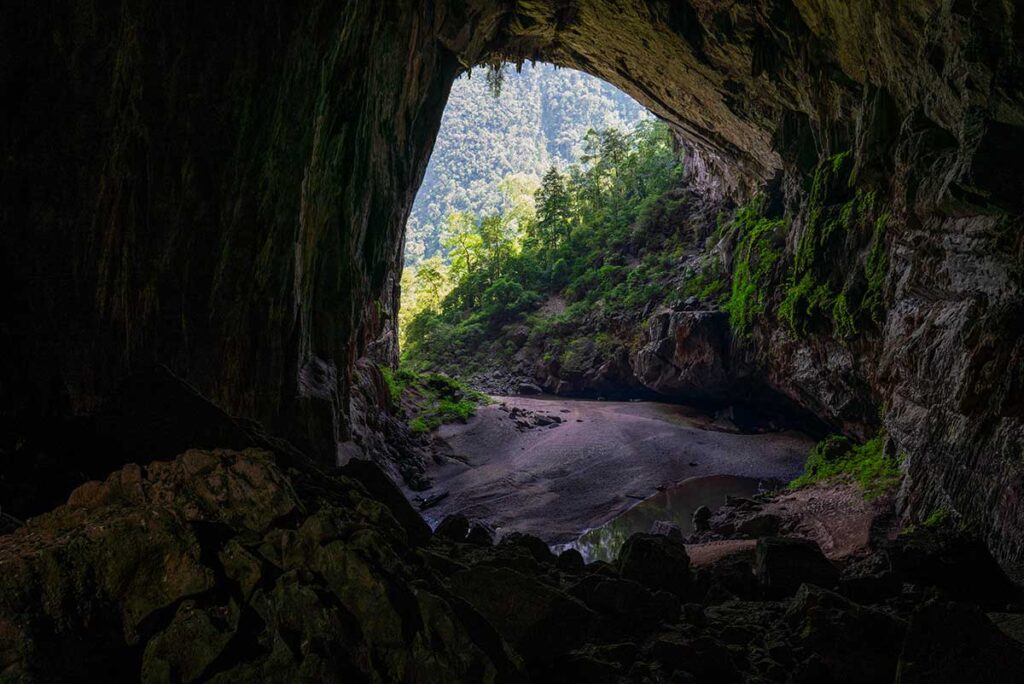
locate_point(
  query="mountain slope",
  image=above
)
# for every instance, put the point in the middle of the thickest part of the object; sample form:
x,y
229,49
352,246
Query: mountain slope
x,y
538,120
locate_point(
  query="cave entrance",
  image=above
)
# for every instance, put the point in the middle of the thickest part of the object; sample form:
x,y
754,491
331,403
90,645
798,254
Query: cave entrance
x,y
551,226
524,222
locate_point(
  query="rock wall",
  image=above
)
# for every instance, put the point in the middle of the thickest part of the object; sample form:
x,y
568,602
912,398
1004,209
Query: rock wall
x,y
218,188
222,189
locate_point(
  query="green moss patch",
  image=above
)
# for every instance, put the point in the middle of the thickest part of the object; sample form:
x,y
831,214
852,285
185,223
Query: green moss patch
x,y
431,399
837,458
758,249
838,223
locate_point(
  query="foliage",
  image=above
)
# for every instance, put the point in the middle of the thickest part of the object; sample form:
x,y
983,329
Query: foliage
x,y
540,120
570,241
875,268
393,385
707,285
758,248
844,324
836,225
938,518
835,457
432,399
803,300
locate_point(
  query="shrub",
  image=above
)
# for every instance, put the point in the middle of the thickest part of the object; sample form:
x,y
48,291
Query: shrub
x,y
435,399
706,285
394,388
835,457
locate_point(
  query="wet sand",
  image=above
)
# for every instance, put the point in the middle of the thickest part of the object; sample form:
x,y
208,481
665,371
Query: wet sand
x,y
556,482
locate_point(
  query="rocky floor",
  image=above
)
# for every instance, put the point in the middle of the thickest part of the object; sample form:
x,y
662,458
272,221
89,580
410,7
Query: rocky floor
x,y
253,565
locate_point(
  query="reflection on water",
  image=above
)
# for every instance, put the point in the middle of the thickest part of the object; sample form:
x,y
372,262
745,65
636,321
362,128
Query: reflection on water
x,y
675,505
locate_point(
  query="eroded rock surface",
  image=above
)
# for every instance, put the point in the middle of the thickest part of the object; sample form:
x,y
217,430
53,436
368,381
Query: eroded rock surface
x,y
245,229
225,565
214,566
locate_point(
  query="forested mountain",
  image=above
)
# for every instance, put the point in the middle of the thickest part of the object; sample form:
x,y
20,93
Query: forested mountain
x,y
594,242
539,119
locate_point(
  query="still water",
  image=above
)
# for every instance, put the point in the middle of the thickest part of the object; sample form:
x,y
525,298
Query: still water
x,y
675,504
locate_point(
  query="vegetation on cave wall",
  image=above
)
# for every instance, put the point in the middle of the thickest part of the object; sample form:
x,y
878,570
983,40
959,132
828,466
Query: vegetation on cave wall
x,y
760,242
429,400
841,219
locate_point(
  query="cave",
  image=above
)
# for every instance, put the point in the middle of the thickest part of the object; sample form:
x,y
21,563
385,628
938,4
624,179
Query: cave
x,y
203,208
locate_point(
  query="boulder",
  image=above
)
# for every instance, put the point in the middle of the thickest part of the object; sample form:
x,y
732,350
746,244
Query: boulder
x,y
949,642
481,534
538,620
961,566
782,564
570,561
217,563
528,388
760,525
454,528
684,354
656,561
667,529
701,519
851,643
383,489
735,575
870,579
631,607
535,547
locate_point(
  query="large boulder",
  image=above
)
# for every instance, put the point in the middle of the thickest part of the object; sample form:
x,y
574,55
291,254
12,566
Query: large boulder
x,y
782,564
656,561
538,620
959,565
759,525
630,608
851,643
684,354
217,563
949,642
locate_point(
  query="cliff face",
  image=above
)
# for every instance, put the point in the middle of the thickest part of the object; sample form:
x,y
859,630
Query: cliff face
x,y
223,189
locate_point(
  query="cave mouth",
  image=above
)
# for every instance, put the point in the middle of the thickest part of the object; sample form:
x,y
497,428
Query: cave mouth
x,y
506,246
554,222
509,139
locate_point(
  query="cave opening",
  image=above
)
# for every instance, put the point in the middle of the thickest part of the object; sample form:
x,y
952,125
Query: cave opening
x,y
502,200
554,222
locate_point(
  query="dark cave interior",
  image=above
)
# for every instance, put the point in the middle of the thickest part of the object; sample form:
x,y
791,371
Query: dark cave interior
x,y
202,216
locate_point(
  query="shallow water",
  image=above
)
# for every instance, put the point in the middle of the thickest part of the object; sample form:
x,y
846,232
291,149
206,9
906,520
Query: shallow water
x,y
557,481
675,504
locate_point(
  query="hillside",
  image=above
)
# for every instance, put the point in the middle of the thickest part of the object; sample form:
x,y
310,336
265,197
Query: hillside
x,y
539,119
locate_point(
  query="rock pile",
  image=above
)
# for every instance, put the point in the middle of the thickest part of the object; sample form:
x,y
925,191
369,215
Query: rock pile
x,y
252,565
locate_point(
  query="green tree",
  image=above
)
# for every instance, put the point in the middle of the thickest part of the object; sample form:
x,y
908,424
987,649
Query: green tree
x,y
464,244
554,209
